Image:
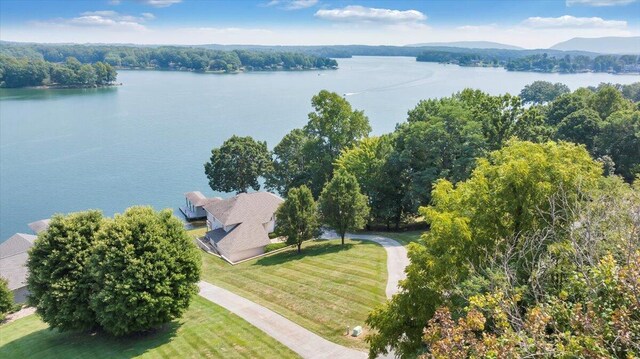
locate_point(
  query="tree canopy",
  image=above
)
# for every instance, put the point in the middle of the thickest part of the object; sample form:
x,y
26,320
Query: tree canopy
x,y
237,165
507,194
124,275
297,217
332,127
59,278
542,91
145,269
342,206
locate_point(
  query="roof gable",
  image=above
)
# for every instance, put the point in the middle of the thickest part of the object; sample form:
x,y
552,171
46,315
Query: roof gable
x,y
243,236
257,207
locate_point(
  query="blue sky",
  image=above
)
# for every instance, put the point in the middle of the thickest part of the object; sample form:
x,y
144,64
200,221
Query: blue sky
x,y
526,23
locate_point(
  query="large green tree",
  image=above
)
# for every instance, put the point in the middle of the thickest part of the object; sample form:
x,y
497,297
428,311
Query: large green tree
x,y
289,167
366,162
608,100
297,217
507,195
237,165
444,144
145,269
342,206
619,138
582,126
332,127
59,281
539,92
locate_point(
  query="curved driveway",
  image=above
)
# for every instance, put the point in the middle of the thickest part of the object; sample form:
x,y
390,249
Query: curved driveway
x,y
302,341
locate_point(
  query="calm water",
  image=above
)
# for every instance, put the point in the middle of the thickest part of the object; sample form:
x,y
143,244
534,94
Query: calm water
x,y
145,142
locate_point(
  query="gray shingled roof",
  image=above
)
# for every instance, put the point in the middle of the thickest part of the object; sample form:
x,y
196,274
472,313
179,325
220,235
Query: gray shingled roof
x,y
16,244
198,199
257,207
243,236
39,226
13,258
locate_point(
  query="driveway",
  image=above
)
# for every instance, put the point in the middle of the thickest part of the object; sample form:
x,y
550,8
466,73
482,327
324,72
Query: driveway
x,y
302,341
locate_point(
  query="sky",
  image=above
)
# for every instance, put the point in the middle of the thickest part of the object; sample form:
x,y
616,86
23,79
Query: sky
x,y
525,23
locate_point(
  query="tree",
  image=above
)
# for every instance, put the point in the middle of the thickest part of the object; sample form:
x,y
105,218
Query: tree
x,y
297,217
443,145
341,204
582,126
619,138
145,269
567,104
332,127
608,100
506,195
237,165
569,290
366,162
539,92
6,298
289,168
59,281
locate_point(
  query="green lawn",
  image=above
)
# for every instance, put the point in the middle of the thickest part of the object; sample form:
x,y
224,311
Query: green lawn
x,y
205,331
325,289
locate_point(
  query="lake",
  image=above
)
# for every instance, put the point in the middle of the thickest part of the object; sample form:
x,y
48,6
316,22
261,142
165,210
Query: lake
x,y
145,142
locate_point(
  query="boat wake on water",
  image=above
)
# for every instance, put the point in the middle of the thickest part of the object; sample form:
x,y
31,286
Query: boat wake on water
x,y
391,87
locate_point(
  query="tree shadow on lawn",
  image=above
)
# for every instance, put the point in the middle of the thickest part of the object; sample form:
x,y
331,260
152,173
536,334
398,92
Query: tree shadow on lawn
x,y
48,343
324,247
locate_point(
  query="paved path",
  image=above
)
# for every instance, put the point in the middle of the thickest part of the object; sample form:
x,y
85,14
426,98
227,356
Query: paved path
x,y
397,258
302,341
26,311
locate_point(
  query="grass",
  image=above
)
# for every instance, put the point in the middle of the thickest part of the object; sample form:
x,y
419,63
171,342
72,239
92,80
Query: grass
x,y
325,289
205,331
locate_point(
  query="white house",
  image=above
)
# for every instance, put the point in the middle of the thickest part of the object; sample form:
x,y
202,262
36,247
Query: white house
x,y
194,205
13,260
239,227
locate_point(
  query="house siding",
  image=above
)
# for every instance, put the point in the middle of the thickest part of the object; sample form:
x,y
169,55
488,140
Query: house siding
x,y
248,253
20,294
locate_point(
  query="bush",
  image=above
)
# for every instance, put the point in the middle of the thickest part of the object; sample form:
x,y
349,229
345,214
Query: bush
x,y
124,275
59,282
6,298
274,246
145,270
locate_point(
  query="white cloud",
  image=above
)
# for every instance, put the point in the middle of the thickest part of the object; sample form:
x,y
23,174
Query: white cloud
x,y
356,13
568,21
103,19
599,3
160,3
472,28
292,4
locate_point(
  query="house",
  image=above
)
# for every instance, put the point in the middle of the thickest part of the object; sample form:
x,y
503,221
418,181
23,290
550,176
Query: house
x,y
194,205
239,227
39,226
13,260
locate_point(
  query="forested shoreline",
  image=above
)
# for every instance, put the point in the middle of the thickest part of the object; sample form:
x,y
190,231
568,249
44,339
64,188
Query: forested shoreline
x,y
163,58
26,72
538,62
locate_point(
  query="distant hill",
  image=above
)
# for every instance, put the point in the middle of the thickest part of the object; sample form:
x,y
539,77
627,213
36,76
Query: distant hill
x,y
602,45
469,45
